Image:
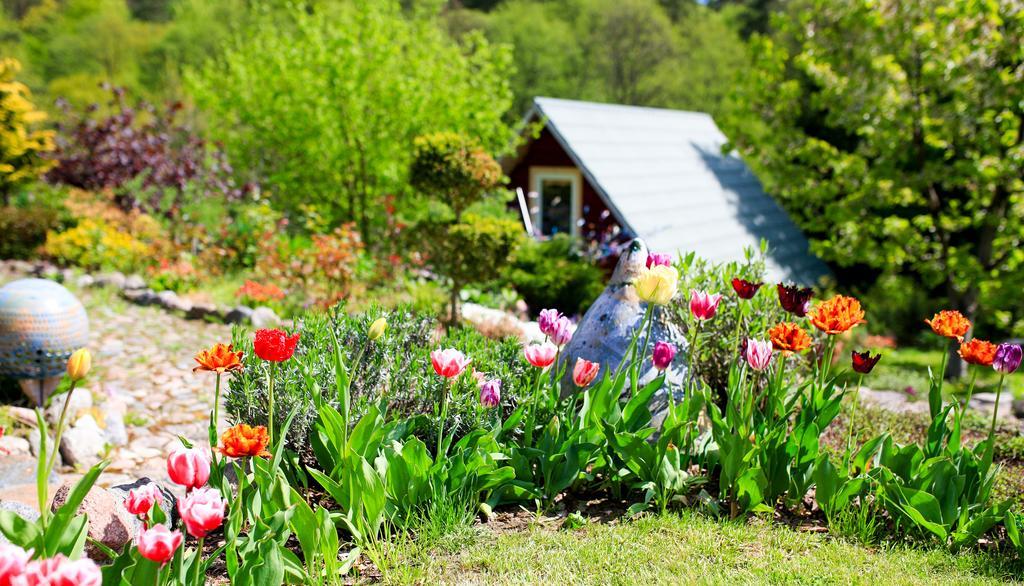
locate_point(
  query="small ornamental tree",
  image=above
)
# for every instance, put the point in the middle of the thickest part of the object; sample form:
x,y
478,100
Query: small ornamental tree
x,y
22,143
464,247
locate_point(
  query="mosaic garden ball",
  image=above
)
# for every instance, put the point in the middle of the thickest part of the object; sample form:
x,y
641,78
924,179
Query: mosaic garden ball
x,y
41,324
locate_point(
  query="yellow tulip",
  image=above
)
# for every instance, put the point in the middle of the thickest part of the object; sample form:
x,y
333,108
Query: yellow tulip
x,y
657,284
79,364
377,328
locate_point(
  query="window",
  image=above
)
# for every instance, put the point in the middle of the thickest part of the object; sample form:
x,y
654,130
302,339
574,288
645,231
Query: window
x,y
555,200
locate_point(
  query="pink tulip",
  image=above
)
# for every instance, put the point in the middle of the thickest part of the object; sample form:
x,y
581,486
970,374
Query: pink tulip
x,y
140,500
159,544
202,511
663,355
758,353
13,560
82,572
584,372
562,331
541,355
704,305
659,259
490,393
189,467
449,362
547,319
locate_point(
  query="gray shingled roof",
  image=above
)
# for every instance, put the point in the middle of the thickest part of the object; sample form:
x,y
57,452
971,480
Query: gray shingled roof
x,y
663,174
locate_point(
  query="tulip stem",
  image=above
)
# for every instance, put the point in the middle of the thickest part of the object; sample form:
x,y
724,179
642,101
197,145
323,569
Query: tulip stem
x,y
995,413
533,410
853,415
270,402
52,461
199,578
444,416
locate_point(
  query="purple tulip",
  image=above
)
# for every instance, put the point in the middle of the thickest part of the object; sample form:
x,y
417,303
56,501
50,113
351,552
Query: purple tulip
x,y
758,353
663,355
1007,358
490,393
562,331
547,320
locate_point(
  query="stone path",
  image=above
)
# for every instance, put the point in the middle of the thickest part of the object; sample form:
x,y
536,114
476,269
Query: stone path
x,y
142,364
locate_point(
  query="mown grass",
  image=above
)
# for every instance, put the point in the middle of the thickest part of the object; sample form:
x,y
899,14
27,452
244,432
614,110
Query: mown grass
x,y
908,367
681,548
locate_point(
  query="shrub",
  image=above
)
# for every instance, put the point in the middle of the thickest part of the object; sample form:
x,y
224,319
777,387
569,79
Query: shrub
x,y
450,166
23,230
395,368
94,244
21,159
178,276
320,268
553,273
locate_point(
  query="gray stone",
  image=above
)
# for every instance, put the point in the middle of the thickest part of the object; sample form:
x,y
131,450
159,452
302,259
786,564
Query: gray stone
x,y
201,311
114,430
67,275
84,444
169,504
141,296
606,330
1018,408
170,300
85,281
11,445
240,314
33,442
114,279
18,469
134,282
48,271
79,400
985,403
109,522
264,317
112,348
894,401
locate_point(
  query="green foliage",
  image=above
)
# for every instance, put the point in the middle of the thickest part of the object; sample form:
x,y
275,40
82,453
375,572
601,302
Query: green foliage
x,y
23,230
361,80
22,142
553,273
95,244
891,133
452,168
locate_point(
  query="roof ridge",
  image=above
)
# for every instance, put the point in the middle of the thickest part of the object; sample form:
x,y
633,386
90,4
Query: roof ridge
x,y
653,109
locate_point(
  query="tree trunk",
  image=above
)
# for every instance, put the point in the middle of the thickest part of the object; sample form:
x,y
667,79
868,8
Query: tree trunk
x,y
967,304
453,310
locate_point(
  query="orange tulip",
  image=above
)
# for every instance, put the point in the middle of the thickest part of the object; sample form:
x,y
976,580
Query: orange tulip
x,y
949,324
220,359
243,441
978,352
837,315
789,337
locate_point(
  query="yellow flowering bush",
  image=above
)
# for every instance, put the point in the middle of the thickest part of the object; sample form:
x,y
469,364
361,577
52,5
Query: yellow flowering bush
x,y
95,244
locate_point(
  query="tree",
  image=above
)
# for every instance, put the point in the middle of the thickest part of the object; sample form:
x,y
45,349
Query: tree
x,y
464,247
22,142
324,102
892,132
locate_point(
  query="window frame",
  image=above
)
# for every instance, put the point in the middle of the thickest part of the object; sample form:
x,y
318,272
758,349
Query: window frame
x,y
538,174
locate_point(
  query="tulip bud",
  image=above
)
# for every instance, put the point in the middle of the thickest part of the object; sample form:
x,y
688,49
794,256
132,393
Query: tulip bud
x,y
377,329
79,364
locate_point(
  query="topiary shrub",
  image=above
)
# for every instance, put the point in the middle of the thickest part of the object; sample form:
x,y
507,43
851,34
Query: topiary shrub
x,y
23,230
553,273
453,168
395,368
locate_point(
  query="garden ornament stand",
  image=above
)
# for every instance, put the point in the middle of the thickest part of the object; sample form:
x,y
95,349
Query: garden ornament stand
x,y
604,333
41,324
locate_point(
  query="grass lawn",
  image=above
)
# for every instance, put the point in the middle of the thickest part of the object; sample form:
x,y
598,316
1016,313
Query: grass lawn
x,y
908,367
680,549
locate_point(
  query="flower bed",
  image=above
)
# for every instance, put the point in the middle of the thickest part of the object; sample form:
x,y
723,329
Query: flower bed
x,y
332,447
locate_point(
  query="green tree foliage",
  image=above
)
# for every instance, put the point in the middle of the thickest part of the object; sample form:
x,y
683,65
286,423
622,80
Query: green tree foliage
x,y
324,102
892,132
677,55
22,141
464,247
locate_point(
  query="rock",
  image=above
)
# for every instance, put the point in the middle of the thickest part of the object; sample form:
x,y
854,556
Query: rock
x,y
499,324
67,275
141,296
134,282
264,317
80,400
1018,408
22,510
169,504
170,300
606,330
12,445
240,314
985,402
85,281
33,442
201,311
84,444
49,271
894,401
109,523
18,469
114,431
112,348
114,279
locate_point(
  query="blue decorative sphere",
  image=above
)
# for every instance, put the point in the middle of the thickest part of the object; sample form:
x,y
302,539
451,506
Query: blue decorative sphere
x,y
41,324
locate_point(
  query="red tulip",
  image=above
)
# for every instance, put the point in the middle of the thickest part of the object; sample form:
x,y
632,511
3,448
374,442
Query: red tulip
x,y
541,355
140,500
189,467
158,544
659,259
703,305
662,355
275,345
745,289
449,362
584,372
795,300
864,362
202,511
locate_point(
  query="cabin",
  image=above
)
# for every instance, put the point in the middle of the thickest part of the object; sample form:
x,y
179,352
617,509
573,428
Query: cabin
x,y
607,173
